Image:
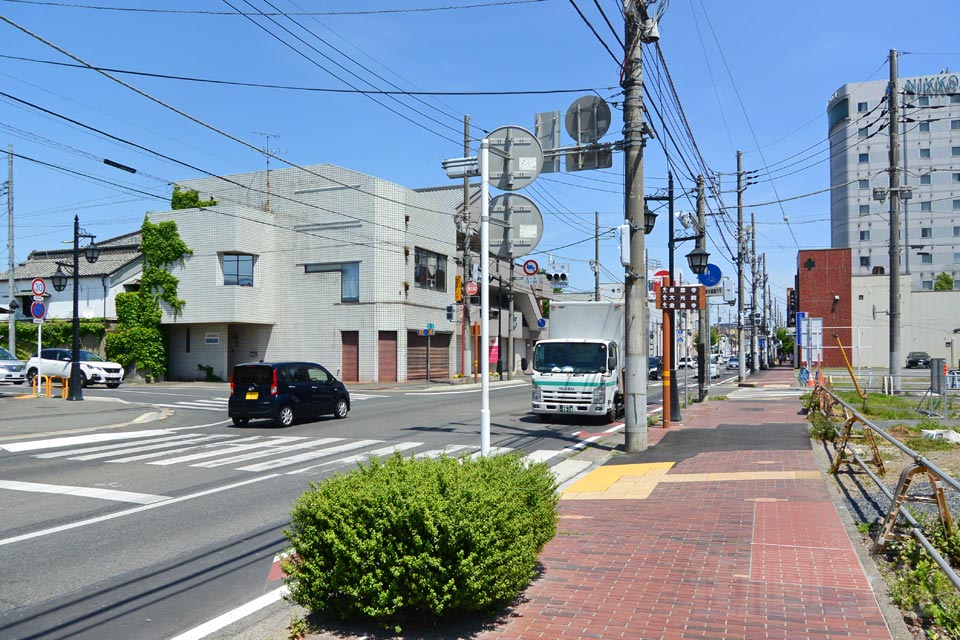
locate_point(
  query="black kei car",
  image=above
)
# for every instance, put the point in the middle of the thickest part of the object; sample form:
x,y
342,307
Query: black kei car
x,y
918,360
284,392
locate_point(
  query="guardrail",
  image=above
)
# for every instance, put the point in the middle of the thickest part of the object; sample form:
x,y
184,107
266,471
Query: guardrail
x,y
826,402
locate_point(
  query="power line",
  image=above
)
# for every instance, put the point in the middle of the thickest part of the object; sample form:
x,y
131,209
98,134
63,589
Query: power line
x,y
69,5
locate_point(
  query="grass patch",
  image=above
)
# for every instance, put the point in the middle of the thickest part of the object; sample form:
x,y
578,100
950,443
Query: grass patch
x,y
882,407
923,445
711,398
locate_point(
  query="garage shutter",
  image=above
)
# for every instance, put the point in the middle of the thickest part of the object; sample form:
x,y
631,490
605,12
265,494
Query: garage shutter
x,y
417,356
350,356
387,356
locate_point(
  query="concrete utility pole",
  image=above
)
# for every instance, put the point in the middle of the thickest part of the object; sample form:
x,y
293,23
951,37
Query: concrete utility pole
x,y
466,223
11,280
741,250
754,308
765,322
635,285
596,255
892,99
703,348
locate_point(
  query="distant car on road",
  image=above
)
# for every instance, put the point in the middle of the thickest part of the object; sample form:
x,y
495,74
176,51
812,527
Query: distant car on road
x,y
284,392
93,368
656,367
733,362
11,368
687,363
918,360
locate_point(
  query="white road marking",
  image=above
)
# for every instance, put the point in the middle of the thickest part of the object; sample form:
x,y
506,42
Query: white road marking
x,y
112,447
83,492
256,442
50,443
150,447
309,455
218,447
383,451
447,450
263,454
228,618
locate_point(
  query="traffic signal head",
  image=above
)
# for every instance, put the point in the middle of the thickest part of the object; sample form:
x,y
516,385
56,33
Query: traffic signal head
x,y
450,312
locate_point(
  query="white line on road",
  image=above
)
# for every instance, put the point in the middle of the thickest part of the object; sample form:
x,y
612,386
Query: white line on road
x,y
83,492
230,617
33,445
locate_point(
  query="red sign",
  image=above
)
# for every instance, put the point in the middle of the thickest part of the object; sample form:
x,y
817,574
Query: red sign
x,y
661,279
473,288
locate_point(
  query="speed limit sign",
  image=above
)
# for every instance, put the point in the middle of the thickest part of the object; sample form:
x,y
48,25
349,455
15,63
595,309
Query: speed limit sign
x,y
38,286
530,267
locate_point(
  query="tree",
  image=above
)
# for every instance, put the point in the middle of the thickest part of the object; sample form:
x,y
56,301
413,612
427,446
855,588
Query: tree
x,y
786,340
188,199
138,339
944,282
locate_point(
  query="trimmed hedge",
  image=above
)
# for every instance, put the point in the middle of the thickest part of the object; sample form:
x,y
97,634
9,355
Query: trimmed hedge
x,y
407,539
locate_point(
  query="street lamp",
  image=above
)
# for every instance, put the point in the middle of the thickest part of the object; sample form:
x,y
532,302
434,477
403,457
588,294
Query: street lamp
x,y
91,252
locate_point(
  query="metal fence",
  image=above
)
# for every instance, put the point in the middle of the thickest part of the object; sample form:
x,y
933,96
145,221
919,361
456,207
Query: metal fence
x,y
827,403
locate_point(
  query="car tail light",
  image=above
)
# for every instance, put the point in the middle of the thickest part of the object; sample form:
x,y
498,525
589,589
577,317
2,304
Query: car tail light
x,y
273,385
231,383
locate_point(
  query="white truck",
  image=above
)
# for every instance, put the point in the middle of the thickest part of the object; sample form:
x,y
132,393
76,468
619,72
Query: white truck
x,y
579,370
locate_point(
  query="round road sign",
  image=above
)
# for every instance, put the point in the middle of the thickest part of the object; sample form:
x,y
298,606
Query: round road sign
x,y
710,276
38,286
516,158
38,310
472,288
530,267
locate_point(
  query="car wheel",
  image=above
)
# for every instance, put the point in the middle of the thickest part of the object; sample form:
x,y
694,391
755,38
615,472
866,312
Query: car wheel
x,y
240,422
340,412
83,380
285,417
113,385
32,377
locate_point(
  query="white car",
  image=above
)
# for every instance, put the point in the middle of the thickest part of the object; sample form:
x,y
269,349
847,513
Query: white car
x,y
93,368
687,363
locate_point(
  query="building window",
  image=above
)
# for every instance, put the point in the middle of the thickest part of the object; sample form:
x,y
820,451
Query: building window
x,y
863,132
925,127
865,261
954,99
925,179
926,232
956,285
924,152
430,270
864,235
956,257
926,205
864,209
238,269
923,101
863,158
926,285
956,232
862,106
926,258
349,277
954,124
956,205
187,337
955,152
863,184
956,177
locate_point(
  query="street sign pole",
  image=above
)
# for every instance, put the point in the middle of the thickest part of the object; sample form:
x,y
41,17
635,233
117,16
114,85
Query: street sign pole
x,y
484,297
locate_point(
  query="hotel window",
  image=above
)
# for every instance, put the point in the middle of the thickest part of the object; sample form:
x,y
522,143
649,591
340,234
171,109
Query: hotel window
x,y
924,152
926,285
862,106
864,158
865,261
864,209
954,125
862,133
926,205
925,179
349,277
923,101
864,235
926,232
863,184
430,270
926,258
925,127
238,269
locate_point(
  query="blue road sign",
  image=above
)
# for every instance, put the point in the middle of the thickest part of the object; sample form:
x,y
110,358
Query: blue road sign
x,y
38,310
710,276
541,323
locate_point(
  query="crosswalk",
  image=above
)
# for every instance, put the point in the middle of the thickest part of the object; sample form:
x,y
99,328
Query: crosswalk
x,y
220,404
254,454
773,392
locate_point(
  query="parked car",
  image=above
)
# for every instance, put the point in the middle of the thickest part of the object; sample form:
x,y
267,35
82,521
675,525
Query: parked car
x,y
733,362
93,368
714,366
284,392
655,364
11,368
918,360
687,363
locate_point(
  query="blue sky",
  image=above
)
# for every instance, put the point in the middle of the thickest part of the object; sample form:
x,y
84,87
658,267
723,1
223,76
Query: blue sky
x,y
753,75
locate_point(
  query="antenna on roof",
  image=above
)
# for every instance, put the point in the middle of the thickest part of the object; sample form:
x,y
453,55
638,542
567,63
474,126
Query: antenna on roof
x,y
266,154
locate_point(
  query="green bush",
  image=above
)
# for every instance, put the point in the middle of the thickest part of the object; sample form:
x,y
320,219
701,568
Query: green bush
x,y
407,539
920,585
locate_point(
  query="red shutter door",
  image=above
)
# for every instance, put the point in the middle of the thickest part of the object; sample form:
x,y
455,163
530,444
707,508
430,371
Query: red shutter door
x,y
416,356
350,356
440,356
387,356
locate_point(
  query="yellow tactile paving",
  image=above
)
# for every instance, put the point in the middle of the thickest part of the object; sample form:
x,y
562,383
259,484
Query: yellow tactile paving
x,y
637,481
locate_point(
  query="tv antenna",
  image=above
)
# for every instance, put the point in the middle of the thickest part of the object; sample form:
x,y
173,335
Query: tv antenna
x,y
266,154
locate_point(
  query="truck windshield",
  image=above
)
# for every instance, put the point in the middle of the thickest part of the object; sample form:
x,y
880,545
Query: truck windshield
x,y
569,357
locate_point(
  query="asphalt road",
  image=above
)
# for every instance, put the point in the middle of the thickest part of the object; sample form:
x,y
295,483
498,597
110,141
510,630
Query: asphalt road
x,y
179,520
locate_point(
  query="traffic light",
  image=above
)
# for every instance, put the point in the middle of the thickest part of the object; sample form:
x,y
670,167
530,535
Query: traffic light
x,y
451,312
556,277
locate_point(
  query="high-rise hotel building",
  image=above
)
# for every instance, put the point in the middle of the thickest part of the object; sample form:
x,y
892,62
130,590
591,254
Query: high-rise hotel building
x,y
929,161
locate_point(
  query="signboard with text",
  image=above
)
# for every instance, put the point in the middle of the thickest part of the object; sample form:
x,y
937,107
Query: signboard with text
x,y
683,297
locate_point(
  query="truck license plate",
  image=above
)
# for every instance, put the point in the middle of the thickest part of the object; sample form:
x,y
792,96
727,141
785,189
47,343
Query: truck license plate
x,y
252,395
566,408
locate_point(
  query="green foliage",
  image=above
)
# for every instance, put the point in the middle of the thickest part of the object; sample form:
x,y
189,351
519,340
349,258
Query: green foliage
x,y
883,407
821,427
138,339
921,586
943,282
55,333
786,339
188,199
923,445
208,374
407,539
545,308
864,528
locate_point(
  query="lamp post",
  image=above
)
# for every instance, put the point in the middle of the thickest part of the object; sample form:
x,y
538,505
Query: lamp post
x,y
91,252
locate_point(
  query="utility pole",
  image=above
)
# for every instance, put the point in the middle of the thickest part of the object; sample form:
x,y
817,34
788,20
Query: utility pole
x,y
765,322
635,285
892,99
703,348
596,255
11,280
753,297
466,223
741,249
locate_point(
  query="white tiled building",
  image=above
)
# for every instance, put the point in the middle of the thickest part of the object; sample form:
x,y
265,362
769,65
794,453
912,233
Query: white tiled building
x,y
859,161
322,264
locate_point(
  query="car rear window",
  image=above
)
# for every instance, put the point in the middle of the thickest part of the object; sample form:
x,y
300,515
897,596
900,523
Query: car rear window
x,y
252,375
